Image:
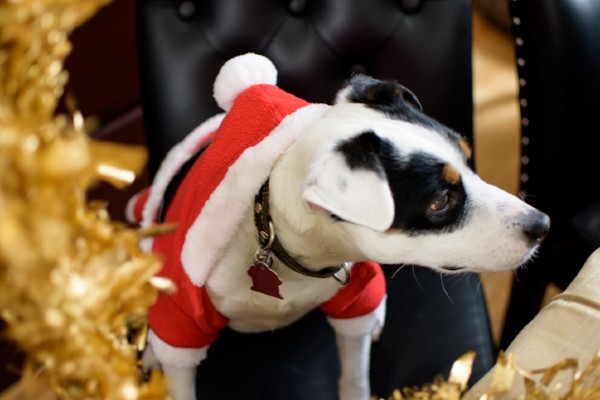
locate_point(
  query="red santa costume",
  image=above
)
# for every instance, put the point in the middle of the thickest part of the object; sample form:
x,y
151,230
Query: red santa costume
x,y
217,192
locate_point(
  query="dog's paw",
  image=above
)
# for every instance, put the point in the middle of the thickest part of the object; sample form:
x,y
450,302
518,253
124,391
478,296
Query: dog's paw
x,y
354,391
182,382
376,333
149,360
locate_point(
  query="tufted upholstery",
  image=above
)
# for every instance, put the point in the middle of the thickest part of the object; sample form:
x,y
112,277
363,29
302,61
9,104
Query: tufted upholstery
x,y
558,62
316,45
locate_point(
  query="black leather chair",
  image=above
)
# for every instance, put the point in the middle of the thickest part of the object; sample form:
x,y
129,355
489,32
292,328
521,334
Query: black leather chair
x,y
316,45
558,63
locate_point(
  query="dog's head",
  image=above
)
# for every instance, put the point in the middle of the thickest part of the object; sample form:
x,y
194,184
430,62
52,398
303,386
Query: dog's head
x,y
395,186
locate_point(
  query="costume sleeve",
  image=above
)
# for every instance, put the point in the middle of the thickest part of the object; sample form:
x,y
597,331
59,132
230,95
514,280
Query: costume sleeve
x,y
135,206
186,319
362,295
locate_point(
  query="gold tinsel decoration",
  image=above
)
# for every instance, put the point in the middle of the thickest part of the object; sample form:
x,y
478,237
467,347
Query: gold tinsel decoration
x,y
74,284
538,384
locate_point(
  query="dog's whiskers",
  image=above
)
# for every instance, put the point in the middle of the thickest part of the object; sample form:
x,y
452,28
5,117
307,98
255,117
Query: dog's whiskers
x,y
444,289
515,275
417,279
397,270
480,287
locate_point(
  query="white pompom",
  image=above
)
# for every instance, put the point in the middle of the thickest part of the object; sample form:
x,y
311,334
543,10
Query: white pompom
x,y
238,74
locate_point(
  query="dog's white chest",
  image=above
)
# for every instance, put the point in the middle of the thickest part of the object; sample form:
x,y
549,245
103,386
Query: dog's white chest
x,y
252,311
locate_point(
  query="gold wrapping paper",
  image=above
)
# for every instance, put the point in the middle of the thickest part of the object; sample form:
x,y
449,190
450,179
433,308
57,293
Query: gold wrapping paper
x,y
565,333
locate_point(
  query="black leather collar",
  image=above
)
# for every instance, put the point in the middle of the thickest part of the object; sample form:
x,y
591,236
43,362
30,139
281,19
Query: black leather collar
x,y
264,225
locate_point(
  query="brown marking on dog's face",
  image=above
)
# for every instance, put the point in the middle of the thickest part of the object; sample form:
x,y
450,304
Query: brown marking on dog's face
x,y
451,174
464,146
370,95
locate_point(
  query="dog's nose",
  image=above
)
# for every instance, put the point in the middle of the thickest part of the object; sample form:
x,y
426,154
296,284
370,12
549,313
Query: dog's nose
x,y
537,225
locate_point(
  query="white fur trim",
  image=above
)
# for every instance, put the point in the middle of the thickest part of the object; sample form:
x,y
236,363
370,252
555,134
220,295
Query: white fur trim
x,y
238,74
176,356
209,235
146,244
175,158
369,324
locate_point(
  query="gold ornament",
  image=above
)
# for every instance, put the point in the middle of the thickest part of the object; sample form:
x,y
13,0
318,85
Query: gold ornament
x,y
540,384
73,284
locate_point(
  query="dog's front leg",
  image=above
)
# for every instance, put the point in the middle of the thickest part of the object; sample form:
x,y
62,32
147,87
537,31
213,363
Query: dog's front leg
x,y
354,353
182,381
353,339
178,364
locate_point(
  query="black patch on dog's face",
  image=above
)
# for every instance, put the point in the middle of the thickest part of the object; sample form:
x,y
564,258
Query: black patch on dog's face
x,y
362,152
425,199
396,102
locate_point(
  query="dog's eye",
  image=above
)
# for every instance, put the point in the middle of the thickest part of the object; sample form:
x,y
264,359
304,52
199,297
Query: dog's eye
x,y
440,203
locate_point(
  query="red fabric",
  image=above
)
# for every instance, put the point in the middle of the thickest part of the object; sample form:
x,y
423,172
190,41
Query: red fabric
x,y
361,295
188,319
138,206
243,127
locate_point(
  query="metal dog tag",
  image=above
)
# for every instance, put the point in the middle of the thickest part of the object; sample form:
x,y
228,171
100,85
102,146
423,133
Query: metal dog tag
x,y
264,279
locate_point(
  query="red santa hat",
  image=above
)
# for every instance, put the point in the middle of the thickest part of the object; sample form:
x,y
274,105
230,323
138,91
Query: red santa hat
x,y
260,122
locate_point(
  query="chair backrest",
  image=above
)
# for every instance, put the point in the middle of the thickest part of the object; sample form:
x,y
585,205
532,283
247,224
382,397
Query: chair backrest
x,y
558,59
557,47
315,45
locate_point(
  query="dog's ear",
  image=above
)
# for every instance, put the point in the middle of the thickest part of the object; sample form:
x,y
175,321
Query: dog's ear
x,y
349,183
377,94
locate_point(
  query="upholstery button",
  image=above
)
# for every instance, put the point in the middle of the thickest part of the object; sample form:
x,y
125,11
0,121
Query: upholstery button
x,y
297,7
523,195
358,69
186,9
410,6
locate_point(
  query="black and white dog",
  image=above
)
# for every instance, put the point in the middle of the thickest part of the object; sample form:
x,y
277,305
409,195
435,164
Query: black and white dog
x,y
326,188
